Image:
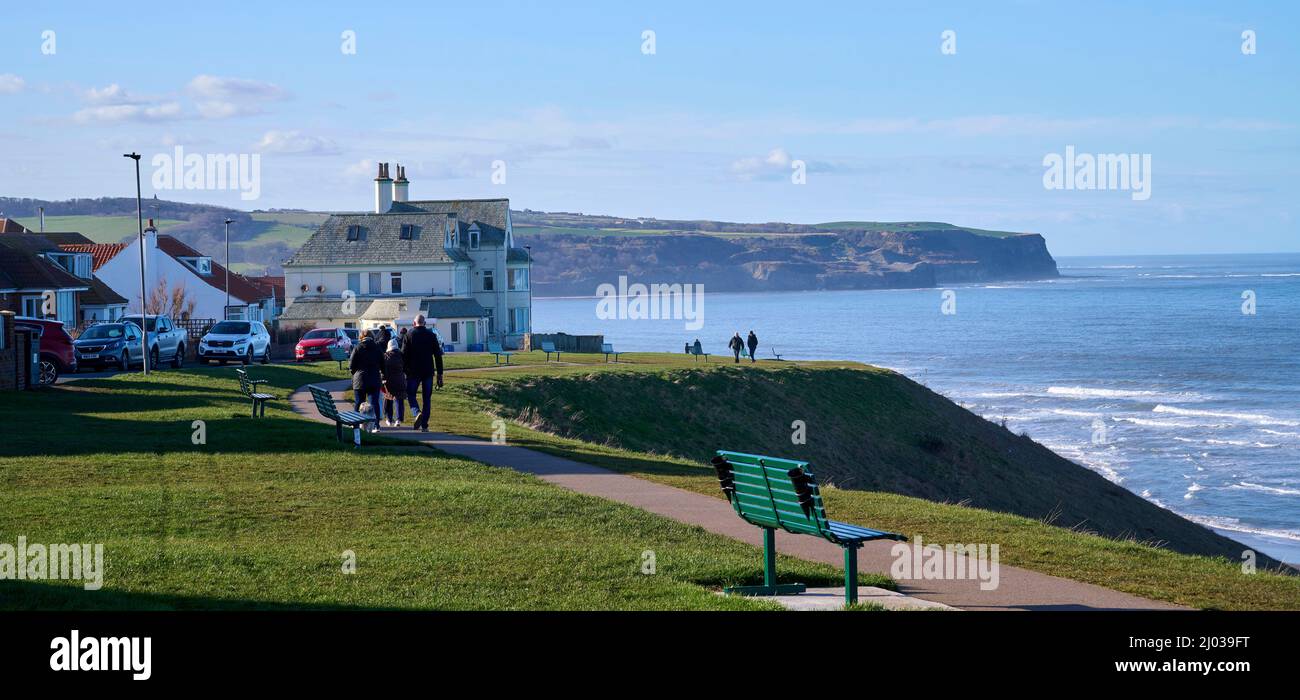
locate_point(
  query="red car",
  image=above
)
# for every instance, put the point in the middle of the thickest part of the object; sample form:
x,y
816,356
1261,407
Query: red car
x,y
316,344
57,356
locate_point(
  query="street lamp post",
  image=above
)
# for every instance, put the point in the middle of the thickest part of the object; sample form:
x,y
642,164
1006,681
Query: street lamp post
x,y
144,310
226,311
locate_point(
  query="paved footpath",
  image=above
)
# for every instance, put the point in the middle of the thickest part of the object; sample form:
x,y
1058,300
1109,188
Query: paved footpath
x,y
1018,589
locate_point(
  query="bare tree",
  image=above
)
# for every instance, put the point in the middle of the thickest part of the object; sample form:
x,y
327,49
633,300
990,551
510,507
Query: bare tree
x,y
170,301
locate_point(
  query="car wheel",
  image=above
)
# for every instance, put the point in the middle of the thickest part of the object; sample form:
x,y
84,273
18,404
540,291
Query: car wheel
x,y
49,371
125,362
248,358
179,360
153,359
266,355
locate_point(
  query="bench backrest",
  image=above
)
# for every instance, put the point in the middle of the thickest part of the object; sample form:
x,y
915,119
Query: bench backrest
x,y
324,402
495,347
338,353
607,347
697,351
772,492
244,386
548,347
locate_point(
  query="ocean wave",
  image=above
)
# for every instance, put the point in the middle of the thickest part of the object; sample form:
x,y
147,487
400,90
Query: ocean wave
x,y
1235,525
1241,443
1259,418
1150,423
1279,433
1278,490
1083,392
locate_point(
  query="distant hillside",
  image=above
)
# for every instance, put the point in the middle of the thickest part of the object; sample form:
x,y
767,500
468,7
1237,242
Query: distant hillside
x,y
575,253
868,429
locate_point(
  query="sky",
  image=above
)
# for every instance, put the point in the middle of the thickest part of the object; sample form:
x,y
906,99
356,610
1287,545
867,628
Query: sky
x,y
686,110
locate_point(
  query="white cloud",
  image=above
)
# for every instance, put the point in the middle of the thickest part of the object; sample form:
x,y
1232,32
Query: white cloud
x,y
168,111
295,142
775,163
213,88
113,94
10,83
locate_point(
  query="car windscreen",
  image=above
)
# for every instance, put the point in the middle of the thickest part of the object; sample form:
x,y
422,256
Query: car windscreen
x,y
103,333
231,328
150,322
313,335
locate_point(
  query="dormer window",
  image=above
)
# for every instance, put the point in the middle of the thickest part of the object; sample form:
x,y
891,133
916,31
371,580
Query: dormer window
x,y
356,233
473,237
410,232
201,265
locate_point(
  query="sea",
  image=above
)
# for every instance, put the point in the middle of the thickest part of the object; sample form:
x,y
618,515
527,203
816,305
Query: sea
x,y
1177,377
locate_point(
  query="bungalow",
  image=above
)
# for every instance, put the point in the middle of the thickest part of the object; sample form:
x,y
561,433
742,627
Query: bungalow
x,y
180,266
454,261
41,279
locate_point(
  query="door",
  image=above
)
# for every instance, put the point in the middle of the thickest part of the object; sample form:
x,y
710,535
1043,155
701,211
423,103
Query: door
x,y
470,335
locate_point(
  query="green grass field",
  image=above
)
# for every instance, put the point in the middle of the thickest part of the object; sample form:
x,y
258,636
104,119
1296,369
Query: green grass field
x,y
909,226
1122,564
262,514
101,229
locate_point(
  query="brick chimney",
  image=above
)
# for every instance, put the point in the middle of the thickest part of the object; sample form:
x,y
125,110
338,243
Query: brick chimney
x,y
400,185
383,190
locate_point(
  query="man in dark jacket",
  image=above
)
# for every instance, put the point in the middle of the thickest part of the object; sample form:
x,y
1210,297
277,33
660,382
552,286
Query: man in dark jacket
x,y
365,363
423,355
752,341
736,345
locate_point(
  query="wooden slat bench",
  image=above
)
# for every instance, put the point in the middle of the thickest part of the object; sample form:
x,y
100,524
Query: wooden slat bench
x,y
498,352
608,349
248,387
548,348
325,404
771,493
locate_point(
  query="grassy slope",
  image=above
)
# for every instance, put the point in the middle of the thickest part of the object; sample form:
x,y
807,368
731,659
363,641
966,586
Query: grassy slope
x,y
1123,564
909,226
260,515
101,229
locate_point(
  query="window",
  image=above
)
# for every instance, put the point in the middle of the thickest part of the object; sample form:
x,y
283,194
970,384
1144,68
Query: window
x,y
395,282
473,239
32,307
519,319
517,278
354,282
487,280
455,331
354,233
408,232
491,324
372,282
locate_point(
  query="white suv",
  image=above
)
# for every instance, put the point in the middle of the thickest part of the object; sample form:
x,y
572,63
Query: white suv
x,y
242,341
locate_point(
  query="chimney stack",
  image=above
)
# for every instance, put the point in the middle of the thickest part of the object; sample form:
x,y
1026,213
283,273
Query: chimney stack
x,y
383,190
400,185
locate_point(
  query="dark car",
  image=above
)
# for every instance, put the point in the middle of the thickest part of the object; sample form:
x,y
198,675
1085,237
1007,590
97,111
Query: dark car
x,y
110,344
57,356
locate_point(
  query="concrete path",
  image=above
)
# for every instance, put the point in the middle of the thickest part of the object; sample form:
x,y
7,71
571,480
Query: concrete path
x,y
1018,589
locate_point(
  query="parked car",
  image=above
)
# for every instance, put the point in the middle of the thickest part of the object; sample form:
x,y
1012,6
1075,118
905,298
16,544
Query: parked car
x,y
230,341
353,334
315,344
165,339
57,356
110,344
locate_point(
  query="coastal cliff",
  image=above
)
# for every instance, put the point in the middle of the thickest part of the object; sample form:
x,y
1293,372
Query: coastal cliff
x,y
903,256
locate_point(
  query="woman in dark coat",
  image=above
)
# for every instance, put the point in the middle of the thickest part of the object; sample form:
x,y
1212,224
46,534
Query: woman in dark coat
x,y
394,372
367,359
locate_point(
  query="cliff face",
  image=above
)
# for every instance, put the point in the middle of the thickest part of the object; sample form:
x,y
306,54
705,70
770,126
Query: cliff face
x,y
574,265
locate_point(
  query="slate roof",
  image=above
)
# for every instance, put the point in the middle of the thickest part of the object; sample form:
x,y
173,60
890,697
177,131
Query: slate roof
x,y
8,225
383,243
62,238
22,267
490,215
452,307
101,294
312,309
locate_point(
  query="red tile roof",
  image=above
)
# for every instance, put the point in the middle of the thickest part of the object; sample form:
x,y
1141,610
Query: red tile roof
x,y
272,284
100,252
240,287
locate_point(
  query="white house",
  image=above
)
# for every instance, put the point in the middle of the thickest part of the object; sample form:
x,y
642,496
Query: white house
x,y
452,260
204,280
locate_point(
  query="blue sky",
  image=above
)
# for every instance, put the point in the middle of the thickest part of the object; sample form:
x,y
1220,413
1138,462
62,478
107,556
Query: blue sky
x,y
888,126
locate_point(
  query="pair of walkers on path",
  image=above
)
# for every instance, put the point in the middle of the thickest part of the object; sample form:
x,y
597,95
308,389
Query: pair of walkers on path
x,y
398,368
738,345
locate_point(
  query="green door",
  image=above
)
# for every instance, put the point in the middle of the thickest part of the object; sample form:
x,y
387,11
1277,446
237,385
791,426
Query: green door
x,y
470,326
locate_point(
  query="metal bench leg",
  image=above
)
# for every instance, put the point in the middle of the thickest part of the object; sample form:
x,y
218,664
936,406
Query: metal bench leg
x,y
851,574
770,586
338,430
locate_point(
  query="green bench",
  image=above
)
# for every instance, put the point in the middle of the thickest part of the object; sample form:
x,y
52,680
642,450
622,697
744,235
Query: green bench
x,y
339,355
698,353
771,493
498,352
549,348
325,404
608,349
248,387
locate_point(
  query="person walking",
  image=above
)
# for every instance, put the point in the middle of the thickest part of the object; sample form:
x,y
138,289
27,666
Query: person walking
x,y
423,355
394,371
752,342
365,363
737,345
